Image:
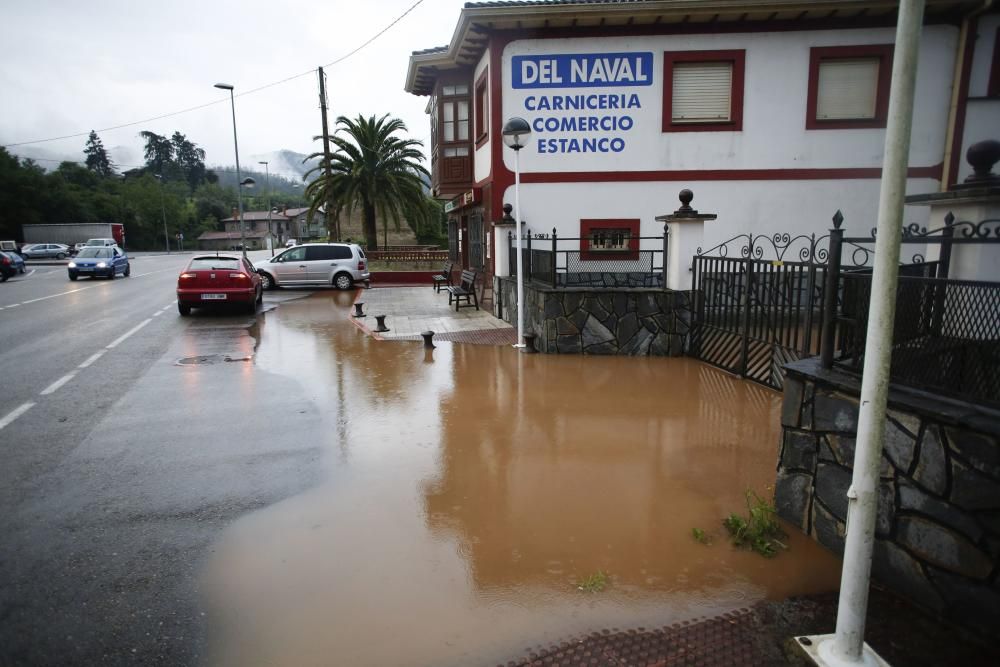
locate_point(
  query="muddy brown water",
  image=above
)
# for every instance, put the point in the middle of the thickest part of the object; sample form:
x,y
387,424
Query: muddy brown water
x,y
468,493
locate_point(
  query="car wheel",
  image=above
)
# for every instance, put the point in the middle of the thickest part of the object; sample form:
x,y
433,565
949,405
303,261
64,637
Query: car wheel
x,y
73,276
260,295
266,281
3,277
61,255
342,281
183,309
128,270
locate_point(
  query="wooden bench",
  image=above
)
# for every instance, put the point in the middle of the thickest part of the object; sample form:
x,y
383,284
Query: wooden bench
x,y
466,290
443,279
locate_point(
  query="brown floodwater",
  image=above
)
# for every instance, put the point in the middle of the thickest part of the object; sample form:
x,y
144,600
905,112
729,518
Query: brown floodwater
x,y
467,493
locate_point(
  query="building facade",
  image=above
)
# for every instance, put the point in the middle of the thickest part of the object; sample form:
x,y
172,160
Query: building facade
x,y
774,113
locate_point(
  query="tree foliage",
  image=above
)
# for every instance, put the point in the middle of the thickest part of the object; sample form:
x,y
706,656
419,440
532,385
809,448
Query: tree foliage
x,y
97,158
372,169
176,158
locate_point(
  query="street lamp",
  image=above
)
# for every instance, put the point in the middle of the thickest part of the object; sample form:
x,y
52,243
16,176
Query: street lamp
x,y
236,146
245,183
516,132
163,210
270,237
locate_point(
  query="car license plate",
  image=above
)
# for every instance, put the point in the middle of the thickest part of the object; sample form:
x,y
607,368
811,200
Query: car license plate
x,y
84,268
213,297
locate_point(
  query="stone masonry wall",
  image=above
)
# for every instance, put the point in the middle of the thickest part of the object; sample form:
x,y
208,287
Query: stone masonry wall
x,y
938,526
628,321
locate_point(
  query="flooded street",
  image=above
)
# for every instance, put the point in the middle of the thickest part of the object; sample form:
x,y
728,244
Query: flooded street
x,y
466,494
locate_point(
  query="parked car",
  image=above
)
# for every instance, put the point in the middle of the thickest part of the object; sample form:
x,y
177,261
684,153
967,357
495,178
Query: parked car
x,y
43,250
78,247
290,243
100,242
99,261
10,265
213,280
337,264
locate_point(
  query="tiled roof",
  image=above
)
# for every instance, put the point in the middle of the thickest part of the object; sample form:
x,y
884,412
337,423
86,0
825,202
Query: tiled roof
x,y
527,3
230,236
260,216
433,49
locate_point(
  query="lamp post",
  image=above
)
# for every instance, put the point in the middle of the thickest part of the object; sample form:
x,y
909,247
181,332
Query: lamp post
x,y
236,146
267,176
516,132
163,210
245,183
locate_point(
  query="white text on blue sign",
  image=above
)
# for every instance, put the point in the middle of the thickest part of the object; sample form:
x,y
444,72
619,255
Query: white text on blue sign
x,y
583,70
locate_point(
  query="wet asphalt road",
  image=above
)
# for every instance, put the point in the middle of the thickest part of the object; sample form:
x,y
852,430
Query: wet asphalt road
x,y
119,465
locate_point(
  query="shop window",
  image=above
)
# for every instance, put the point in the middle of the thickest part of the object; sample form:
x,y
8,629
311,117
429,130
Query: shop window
x,y
609,239
848,87
703,91
482,108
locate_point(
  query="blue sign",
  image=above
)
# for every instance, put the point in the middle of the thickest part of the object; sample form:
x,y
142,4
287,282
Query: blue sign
x,y
583,70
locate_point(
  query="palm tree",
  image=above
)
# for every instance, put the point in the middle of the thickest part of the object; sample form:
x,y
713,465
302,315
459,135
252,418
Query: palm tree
x,y
373,169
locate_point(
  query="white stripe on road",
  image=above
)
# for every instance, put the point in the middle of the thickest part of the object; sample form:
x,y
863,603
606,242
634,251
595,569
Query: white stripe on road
x,y
52,296
52,388
92,359
128,333
15,413
149,273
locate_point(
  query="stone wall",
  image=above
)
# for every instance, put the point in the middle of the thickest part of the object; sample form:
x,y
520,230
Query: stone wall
x,y
938,526
633,321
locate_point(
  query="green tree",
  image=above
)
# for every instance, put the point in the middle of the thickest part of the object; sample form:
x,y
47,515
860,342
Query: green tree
x,y
189,160
97,158
159,152
373,169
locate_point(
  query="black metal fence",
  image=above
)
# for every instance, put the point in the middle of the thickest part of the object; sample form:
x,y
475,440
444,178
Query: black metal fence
x,y
565,262
946,332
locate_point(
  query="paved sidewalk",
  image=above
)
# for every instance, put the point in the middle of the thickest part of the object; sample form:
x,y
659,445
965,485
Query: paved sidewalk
x,y
412,310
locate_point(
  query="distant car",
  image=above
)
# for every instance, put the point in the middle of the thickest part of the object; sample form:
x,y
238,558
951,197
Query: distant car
x,y
100,242
78,247
10,265
43,250
214,280
99,261
337,264
290,243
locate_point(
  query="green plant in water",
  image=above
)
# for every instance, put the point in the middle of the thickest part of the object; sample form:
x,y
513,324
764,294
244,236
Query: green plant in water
x,y
701,536
595,583
759,530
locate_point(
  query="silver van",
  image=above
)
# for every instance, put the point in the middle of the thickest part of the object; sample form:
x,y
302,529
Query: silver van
x,y
337,264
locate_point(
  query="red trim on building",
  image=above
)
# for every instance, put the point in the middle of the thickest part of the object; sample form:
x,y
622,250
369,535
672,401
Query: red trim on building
x,y
819,53
834,173
958,135
588,226
482,125
500,176
737,57
993,88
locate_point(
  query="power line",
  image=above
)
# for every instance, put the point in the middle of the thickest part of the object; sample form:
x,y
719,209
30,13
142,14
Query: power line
x,y
219,101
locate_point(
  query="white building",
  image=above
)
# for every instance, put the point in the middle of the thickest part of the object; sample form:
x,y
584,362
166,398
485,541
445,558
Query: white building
x,y
771,111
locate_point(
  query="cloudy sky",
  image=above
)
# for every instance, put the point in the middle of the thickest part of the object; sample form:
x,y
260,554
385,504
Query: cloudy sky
x,y
69,67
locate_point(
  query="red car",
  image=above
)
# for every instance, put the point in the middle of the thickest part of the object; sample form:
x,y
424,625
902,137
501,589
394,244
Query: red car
x,y
213,280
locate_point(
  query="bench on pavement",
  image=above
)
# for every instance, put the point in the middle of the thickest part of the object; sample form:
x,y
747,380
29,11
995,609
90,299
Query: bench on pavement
x,y
465,290
443,279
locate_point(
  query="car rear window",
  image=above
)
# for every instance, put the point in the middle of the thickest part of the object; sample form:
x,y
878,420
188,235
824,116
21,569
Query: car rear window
x,y
92,251
208,263
321,252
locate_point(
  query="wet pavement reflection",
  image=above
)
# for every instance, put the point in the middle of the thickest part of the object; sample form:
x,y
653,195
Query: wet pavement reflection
x,y
468,491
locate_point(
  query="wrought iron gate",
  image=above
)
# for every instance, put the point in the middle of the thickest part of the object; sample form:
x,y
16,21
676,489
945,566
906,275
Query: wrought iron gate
x,y
761,309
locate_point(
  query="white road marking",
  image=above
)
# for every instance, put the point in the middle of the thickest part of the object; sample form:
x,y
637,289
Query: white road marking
x,y
157,313
52,296
14,305
149,273
52,388
92,359
128,333
15,413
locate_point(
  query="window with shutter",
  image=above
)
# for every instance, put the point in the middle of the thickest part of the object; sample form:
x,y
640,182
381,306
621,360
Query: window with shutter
x,y
703,91
848,87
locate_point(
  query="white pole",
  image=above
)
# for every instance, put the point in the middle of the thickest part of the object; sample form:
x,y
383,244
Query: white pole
x,y
520,259
847,646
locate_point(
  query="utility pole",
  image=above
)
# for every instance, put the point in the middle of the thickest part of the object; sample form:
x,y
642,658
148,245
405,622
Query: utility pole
x,y
333,229
270,236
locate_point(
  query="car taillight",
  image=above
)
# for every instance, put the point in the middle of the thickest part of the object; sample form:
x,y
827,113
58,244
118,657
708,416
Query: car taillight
x,y
361,265
239,276
6,260
188,276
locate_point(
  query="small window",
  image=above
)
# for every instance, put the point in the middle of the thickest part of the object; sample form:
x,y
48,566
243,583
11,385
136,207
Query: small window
x,y
604,239
454,90
848,87
609,239
703,91
342,252
482,107
457,151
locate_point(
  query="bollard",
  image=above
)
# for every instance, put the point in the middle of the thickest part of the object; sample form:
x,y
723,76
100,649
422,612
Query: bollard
x,y
428,339
357,309
529,343
428,355
381,323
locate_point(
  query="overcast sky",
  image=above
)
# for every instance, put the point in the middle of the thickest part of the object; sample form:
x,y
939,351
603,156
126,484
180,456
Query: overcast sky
x,y
70,66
